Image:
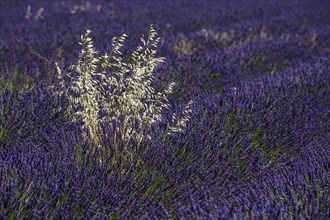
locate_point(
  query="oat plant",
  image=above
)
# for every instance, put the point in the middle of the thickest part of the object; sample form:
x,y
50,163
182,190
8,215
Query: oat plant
x,y
107,89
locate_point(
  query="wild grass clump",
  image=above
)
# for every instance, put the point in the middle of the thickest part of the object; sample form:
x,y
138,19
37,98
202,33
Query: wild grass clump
x,y
105,89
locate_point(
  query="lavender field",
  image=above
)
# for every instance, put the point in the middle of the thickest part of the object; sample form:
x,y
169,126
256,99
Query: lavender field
x,y
164,109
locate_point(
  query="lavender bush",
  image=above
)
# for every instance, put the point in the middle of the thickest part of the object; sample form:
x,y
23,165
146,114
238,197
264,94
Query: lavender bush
x,y
255,144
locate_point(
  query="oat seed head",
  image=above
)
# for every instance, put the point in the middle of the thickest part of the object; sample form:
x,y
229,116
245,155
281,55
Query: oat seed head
x,y
122,90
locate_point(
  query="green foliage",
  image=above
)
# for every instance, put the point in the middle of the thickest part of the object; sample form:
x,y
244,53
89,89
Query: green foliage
x,y
14,80
4,133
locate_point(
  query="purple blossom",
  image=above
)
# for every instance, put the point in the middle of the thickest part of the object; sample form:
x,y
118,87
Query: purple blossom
x,y
256,147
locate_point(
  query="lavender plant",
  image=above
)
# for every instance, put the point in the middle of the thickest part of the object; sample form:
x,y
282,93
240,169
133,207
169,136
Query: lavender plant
x,y
257,142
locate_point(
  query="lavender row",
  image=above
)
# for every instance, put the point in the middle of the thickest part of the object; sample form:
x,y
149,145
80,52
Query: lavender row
x,y
257,142
259,149
212,40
